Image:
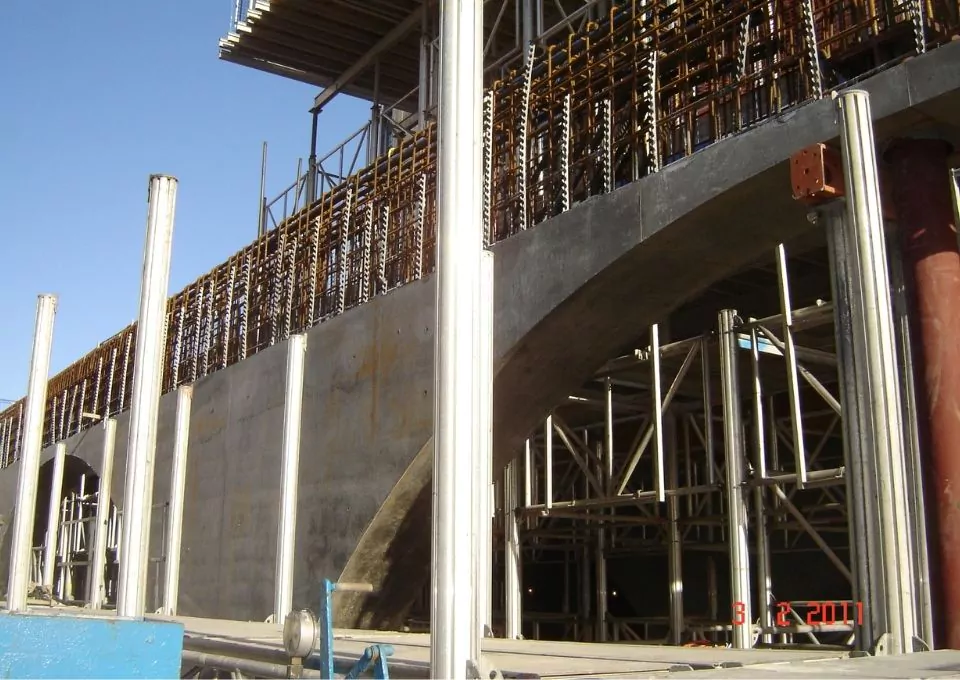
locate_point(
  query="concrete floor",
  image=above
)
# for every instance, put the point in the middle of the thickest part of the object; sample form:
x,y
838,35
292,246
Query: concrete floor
x,y
529,658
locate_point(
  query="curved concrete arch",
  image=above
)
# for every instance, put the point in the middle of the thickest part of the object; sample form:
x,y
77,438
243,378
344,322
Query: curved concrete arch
x,y
74,466
578,288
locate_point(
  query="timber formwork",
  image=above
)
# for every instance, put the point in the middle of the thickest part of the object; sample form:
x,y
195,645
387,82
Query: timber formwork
x,y
651,83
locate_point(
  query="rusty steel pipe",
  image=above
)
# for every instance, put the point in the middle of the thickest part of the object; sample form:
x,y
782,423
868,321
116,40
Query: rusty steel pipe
x,y
929,236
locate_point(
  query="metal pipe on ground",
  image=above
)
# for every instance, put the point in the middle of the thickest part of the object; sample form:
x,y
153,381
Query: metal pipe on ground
x,y
21,546
148,372
259,669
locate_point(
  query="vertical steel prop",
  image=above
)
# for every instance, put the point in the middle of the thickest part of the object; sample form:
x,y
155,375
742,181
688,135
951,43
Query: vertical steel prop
x,y
289,477
458,413
178,487
96,594
737,517
31,423
148,373
874,351
53,515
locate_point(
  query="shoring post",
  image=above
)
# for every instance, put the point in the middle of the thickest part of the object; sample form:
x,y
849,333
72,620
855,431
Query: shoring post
x,y
289,479
178,487
764,577
147,376
53,515
860,472
31,424
674,533
262,203
458,411
95,589
482,507
874,335
512,556
737,517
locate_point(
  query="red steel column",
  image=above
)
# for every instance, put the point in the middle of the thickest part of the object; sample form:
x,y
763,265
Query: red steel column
x,y
925,215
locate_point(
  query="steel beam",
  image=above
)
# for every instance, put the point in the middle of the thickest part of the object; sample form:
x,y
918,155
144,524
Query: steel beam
x,y
147,376
396,34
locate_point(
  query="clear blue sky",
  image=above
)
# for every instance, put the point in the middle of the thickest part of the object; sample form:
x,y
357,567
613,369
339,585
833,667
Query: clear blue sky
x,y
97,96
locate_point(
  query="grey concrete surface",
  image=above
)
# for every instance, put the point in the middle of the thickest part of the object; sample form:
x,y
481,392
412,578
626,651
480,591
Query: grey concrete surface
x,y
367,410
570,293
579,288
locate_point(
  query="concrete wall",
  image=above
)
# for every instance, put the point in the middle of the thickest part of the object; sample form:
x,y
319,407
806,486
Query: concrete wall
x,y
367,410
578,289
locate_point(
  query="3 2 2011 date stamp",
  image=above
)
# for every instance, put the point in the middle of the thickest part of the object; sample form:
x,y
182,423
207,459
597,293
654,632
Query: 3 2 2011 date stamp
x,y
817,613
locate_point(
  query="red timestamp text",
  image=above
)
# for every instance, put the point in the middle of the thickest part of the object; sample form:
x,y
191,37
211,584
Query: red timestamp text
x,y
817,613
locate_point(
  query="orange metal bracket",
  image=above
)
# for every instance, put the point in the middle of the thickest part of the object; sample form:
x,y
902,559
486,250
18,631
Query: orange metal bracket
x,y
816,176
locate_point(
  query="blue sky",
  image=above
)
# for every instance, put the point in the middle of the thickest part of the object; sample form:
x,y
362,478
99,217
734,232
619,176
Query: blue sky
x,y
97,97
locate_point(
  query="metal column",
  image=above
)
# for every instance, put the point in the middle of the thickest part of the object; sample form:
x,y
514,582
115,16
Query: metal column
x,y
927,222
423,87
21,546
458,412
289,477
53,515
912,440
735,492
373,133
873,332
528,27
98,560
674,537
764,577
864,521
262,217
178,487
148,372
312,161
483,507
512,557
